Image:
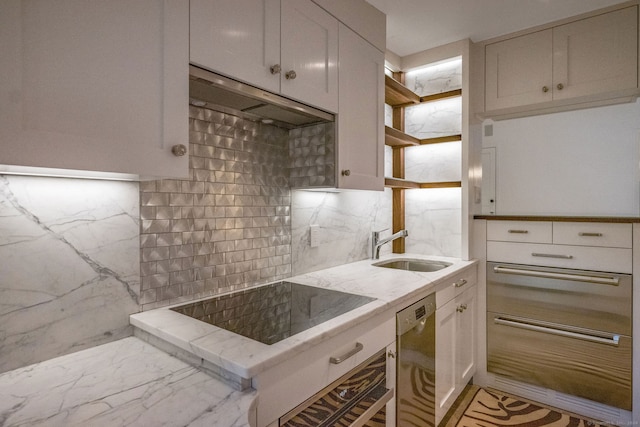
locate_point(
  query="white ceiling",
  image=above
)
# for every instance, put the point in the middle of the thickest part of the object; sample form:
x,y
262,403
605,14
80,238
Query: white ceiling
x,y
417,25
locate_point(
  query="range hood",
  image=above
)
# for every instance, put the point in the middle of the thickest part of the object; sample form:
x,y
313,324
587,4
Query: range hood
x,y
217,92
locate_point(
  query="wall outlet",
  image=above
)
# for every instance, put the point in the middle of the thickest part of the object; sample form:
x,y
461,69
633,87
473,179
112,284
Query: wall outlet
x,y
314,235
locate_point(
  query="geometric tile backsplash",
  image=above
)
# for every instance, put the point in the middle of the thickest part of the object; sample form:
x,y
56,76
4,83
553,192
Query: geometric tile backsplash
x,y
229,225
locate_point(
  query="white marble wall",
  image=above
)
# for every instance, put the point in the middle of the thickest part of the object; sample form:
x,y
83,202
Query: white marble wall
x,y
434,119
346,220
433,216
434,162
433,219
70,270
436,78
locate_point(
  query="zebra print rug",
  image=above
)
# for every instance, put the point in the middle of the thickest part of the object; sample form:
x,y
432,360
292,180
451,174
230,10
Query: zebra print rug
x,y
489,408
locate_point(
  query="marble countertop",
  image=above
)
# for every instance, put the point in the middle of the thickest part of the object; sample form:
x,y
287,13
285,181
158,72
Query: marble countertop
x,y
130,382
125,382
393,289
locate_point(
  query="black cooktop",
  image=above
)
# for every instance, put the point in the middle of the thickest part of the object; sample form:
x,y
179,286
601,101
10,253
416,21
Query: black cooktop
x,y
273,312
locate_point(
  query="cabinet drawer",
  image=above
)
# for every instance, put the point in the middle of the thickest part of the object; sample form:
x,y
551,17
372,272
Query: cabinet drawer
x,y
592,234
618,260
456,285
290,383
520,231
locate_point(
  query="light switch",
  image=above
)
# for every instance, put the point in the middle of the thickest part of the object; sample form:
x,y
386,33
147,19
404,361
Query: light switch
x,y
314,235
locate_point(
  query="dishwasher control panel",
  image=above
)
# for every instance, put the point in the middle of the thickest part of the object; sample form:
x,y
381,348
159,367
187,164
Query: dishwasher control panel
x,y
416,312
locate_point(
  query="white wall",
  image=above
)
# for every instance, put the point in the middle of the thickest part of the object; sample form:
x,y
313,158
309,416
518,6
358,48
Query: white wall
x,y
580,163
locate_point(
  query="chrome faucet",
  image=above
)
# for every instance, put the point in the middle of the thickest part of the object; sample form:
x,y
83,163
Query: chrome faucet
x,y
376,243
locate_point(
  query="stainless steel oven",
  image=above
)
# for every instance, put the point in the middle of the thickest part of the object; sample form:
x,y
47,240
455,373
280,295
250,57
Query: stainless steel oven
x,y
562,329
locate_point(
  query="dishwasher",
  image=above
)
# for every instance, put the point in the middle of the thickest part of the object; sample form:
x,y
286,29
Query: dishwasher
x,y
416,363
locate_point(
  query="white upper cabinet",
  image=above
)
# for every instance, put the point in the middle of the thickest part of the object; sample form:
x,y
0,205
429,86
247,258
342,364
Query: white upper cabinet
x,y
361,118
284,46
519,70
94,86
240,39
589,60
598,54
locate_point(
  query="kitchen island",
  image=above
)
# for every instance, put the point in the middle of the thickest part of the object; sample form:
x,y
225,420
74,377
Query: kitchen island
x,y
130,382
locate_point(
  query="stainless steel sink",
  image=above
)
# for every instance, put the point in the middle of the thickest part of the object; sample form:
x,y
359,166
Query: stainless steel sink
x,y
413,264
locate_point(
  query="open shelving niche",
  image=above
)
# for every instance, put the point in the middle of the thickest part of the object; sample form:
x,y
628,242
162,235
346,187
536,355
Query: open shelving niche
x,y
398,96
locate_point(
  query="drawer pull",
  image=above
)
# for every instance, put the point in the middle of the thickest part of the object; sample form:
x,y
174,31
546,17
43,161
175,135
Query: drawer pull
x,y
340,359
518,231
460,283
552,256
585,234
604,280
613,340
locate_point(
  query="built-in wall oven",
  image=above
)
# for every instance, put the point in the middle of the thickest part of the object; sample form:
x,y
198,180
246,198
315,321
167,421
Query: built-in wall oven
x,y
566,330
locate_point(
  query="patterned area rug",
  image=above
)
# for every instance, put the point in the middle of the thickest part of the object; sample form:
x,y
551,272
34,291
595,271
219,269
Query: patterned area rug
x,y
489,408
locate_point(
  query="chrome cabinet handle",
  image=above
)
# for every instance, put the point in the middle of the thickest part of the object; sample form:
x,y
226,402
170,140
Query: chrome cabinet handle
x,y
560,86
346,172
545,89
518,231
612,340
604,280
460,283
290,75
552,256
275,69
585,234
461,308
340,359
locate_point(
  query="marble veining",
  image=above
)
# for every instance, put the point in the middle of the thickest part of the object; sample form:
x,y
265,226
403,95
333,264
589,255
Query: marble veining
x,y
345,222
434,119
248,358
434,162
123,383
70,271
441,77
434,220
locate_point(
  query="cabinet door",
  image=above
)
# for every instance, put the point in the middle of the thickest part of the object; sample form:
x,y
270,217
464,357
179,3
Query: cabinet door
x,y
361,118
519,71
596,55
446,341
309,54
98,86
466,338
239,38
390,419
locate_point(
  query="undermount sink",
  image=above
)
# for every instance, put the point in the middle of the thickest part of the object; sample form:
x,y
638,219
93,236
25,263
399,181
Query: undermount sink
x,y
414,264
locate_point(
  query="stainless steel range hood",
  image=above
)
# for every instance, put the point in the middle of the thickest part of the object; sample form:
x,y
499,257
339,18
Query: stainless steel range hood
x,y
218,92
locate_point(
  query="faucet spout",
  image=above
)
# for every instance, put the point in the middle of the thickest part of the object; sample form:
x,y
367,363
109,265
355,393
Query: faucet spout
x,y
376,243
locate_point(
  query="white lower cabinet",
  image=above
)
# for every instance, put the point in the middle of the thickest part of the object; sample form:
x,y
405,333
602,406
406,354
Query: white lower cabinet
x,y
94,86
304,378
455,348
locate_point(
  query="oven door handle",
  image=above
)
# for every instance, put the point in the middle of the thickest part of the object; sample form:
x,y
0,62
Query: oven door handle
x,y
600,280
503,320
